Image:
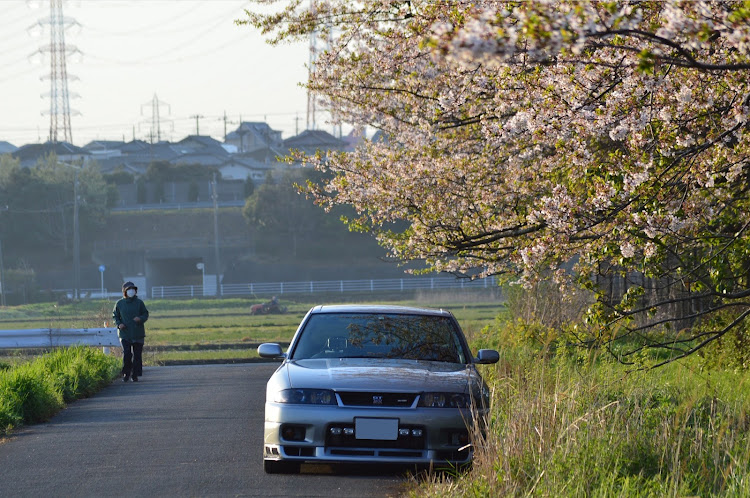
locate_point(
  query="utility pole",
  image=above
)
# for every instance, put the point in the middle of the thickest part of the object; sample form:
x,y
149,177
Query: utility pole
x,y
311,107
76,240
215,197
197,125
318,45
3,290
2,277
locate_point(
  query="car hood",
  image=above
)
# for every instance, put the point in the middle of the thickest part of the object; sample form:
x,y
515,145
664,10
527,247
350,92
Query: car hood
x,y
375,374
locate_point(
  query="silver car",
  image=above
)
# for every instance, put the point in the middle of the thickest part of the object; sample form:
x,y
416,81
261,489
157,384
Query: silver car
x,y
385,384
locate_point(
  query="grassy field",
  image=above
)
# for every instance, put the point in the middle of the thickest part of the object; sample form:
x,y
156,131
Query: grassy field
x,y
203,324
570,422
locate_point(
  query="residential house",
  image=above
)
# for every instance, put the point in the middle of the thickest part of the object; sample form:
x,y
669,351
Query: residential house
x,y
29,155
312,141
197,149
241,167
353,139
200,143
135,156
102,149
251,136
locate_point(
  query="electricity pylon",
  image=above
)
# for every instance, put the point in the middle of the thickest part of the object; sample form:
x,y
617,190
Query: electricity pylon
x,y
156,116
59,108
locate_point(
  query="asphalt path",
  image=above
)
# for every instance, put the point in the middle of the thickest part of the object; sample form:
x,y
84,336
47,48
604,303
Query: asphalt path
x,y
179,431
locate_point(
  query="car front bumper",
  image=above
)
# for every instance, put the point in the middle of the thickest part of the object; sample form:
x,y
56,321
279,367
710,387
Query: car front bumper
x,y
336,434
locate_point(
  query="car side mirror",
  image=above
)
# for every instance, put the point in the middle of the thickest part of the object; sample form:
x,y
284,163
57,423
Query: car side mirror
x,y
271,350
487,356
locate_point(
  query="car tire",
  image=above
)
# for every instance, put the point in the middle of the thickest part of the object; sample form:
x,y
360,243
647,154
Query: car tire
x,y
280,467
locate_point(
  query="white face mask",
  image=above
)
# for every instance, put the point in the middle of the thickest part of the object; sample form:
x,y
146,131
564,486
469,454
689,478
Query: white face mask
x,y
130,292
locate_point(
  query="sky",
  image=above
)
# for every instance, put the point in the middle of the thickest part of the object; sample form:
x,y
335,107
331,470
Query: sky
x,y
181,58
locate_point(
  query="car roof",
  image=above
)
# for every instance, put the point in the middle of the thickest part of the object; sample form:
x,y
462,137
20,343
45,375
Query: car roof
x,y
378,308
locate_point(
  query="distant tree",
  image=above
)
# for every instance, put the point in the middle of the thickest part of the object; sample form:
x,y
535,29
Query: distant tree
x,y
40,204
119,177
277,207
141,190
113,195
158,171
20,282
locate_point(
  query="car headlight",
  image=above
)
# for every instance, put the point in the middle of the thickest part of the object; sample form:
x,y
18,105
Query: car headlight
x,y
444,400
305,397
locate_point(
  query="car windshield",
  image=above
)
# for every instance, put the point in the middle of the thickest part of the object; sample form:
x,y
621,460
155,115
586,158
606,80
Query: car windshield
x,y
378,335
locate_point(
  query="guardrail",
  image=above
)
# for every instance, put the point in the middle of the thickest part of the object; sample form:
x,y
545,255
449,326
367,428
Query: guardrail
x,y
180,205
327,286
52,338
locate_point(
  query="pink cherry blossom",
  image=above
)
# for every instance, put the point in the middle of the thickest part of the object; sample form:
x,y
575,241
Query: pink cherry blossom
x,y
523,136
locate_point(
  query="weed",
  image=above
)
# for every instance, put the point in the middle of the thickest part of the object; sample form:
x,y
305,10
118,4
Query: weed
x,y
34,391
559,428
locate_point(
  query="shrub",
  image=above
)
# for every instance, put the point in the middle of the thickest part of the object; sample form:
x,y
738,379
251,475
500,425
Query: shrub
x,y
732,350
33,392
545,303
31,396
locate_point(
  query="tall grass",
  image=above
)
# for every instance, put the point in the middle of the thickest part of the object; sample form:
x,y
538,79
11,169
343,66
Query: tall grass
x,y
561,425
569,421
34,391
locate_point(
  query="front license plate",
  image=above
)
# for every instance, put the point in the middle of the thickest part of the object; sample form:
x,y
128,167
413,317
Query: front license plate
x,y
376,428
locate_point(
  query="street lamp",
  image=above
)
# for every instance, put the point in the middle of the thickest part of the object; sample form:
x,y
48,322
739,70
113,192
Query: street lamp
x,y
202,268
215,197
101,272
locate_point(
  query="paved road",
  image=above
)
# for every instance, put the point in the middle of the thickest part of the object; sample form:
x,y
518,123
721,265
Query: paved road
x,y
179,431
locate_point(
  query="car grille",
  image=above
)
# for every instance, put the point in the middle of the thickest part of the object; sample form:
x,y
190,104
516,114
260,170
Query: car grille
x,y
375,453
377,399
409,442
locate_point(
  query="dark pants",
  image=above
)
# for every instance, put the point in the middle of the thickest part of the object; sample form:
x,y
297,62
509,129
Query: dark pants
x,y
132,358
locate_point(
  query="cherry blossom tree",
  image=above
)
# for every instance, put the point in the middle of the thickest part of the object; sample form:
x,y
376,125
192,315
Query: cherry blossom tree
x,y
600,144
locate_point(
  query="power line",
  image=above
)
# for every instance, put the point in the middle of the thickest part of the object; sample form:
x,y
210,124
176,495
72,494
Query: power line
x,y
7,33
194,38
182,58
16,74
149,29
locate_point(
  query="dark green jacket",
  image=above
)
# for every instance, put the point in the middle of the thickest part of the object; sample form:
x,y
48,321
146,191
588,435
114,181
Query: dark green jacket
x,y
125,310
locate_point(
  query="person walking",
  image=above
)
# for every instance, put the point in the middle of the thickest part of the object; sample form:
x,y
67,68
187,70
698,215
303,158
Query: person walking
x,y
130,314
